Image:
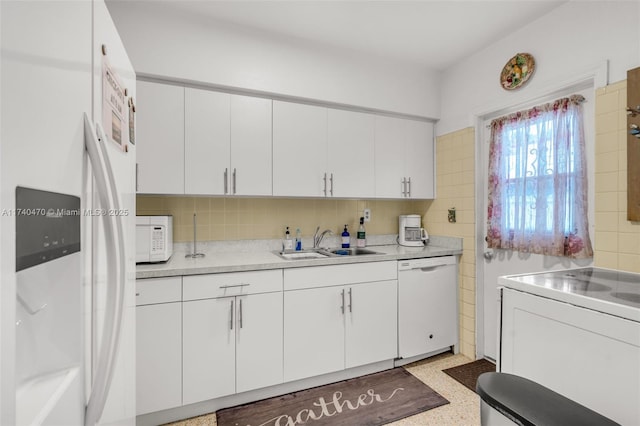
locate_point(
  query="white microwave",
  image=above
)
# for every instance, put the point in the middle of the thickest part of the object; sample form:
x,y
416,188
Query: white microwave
x,y
154,238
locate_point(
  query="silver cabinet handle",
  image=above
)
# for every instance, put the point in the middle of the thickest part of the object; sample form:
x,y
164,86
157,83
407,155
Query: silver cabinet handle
x,y
234,180
234,285
342,307
240,316
350,301
231,317
137,180
225,179
409,184
325,184
404,187
331,187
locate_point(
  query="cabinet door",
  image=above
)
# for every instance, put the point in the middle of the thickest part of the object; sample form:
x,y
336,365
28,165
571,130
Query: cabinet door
x,y
160,138
313,332
258,341
299,149
427,310
208,349
420,164
206,141
158,357
351,153
251,165
371,332
390,138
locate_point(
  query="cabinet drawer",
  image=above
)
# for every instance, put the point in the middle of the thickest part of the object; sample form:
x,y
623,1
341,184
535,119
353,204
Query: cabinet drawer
x,y
323,276
231,284
158,290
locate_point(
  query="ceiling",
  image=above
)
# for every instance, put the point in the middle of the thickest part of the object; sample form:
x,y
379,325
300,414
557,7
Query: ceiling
x,y
429,33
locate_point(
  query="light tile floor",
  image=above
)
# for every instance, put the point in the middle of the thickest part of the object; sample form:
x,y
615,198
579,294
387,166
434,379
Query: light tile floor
x,y
463,408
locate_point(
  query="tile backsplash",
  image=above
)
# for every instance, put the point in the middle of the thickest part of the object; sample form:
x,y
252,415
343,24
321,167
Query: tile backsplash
x,y
617,240
455,186
230,218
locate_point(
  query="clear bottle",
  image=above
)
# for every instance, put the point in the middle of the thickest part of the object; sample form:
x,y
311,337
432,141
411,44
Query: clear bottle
x,y
288,242
345,238
298,239
361,236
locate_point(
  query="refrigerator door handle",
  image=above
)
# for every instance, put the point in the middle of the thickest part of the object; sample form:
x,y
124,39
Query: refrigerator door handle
x,y
108,196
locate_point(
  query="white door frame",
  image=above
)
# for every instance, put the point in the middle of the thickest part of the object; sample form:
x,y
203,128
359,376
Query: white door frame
x,y
596,76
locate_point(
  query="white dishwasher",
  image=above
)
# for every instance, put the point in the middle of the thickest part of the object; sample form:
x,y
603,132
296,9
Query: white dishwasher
x,y
427,307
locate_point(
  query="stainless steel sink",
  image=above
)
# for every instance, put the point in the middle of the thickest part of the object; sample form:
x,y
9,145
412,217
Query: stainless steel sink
x,y
302,254
352,251
324,253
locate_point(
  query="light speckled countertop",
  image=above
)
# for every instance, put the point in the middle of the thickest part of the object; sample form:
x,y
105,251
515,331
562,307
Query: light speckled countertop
x,y
255,255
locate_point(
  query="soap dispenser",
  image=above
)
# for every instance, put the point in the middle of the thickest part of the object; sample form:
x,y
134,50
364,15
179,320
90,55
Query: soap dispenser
x,y
345,238
298,239
361,236
288,242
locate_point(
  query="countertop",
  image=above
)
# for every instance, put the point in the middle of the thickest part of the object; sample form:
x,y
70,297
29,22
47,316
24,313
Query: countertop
x,y
603,290
261,255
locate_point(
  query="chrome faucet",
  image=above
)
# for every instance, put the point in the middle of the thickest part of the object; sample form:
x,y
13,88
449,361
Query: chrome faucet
x,y
317,238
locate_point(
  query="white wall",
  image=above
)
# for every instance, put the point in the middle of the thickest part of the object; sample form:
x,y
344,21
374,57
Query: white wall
x,y
161,42
574,39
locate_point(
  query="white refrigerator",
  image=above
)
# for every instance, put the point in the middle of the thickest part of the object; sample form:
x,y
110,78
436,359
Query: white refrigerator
x,y
67,216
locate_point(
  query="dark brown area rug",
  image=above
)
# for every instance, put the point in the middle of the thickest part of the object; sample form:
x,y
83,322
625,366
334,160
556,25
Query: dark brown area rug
x,y
467,374
374,399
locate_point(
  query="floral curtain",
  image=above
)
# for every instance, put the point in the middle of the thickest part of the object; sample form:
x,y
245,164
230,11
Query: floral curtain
x,y
538,181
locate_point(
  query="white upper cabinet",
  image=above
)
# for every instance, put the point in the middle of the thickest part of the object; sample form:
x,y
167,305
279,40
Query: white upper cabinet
x,y
419,159
227,139
390,142
299,150
160,138
202,142
404,162
250,167
207,133
322,152
351,154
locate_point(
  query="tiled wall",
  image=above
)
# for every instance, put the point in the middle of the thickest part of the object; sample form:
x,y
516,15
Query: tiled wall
x,y
455,165
221,218
617,241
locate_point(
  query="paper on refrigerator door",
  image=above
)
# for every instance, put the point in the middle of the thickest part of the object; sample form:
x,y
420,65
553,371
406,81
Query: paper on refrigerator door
x,y
113,105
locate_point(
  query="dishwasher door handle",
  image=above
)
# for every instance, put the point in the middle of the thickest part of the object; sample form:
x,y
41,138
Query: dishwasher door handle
x,y
429,268
426,264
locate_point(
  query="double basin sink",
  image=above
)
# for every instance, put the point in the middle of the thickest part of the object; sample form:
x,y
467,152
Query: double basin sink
x,y
323,253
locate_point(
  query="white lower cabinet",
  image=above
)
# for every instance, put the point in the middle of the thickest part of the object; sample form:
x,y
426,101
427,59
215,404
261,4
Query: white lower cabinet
x,y
202,337
158,344
331,327
314,332
371,326
231,343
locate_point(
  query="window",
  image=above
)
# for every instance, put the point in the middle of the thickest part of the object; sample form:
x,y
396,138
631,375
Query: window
x,y
538,181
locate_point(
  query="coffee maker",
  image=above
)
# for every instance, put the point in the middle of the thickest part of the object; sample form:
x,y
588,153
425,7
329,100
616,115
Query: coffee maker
x,y
410,232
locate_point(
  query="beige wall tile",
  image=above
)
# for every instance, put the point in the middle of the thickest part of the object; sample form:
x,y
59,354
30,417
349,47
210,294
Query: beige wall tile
x,y
629,262
220,218
606,182
606,241
455,165
617,240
